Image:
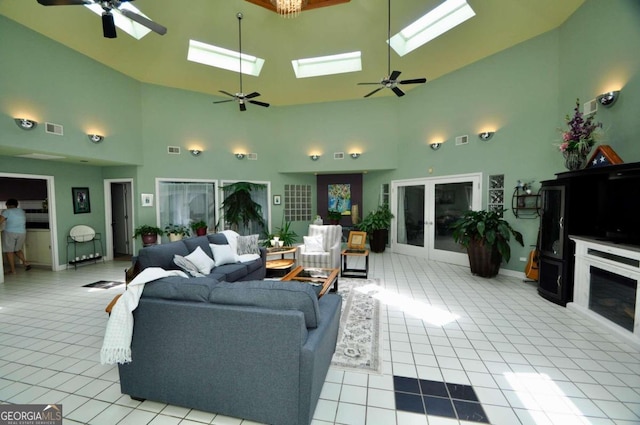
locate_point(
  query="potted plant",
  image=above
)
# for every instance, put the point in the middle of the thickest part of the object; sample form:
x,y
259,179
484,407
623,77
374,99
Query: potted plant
x,y
377,224
284,235
486,236
238,206
176,231
334,216
149,234
199,227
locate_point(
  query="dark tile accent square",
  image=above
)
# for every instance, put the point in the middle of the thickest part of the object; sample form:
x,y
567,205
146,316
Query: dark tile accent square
x,y
439,406
406,385
435,388
409,402
469,411
462,392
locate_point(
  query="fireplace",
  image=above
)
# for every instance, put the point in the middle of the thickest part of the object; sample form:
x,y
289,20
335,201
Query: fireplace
x,y
613,296
606,285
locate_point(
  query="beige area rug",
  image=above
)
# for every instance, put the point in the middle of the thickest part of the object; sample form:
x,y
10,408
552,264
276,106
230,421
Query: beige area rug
x,y
359,345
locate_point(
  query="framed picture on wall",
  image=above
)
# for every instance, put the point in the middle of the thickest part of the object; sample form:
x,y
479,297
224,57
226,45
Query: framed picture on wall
x,y
277,200
80,197
146,199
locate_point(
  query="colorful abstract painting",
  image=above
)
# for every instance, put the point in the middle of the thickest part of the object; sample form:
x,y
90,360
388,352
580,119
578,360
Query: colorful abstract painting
x,y
340,198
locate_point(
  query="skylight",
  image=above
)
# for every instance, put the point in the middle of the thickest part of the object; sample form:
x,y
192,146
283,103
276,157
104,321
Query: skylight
x,y
208,54
448,15
132,28
327,65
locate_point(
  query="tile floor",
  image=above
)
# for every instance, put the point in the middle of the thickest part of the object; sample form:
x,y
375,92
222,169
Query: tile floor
x,y
529,361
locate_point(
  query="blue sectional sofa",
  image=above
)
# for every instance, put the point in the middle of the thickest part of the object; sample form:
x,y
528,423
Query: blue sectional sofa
x,y
257,349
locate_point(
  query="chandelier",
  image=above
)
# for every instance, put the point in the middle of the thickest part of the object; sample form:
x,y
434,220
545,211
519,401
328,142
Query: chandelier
x,y
289,8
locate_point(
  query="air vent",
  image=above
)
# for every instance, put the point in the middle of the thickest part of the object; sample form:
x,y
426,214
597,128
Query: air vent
x,y
174,150
590,107
252,156
52,128
462,140
338,155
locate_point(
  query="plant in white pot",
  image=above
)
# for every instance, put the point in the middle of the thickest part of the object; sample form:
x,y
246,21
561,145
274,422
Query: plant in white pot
x,y
486,236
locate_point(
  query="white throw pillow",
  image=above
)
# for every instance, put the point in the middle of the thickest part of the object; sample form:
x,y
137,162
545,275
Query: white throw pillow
x,y
313,243
222,254
232,240
186,266
202,261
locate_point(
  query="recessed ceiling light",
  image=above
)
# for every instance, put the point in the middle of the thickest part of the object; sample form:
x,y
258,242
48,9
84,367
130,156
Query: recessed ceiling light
x,y
208,54
127,25
327,65
448,15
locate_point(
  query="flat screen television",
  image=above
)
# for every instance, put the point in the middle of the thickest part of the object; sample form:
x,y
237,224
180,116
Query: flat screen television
x,y
622,221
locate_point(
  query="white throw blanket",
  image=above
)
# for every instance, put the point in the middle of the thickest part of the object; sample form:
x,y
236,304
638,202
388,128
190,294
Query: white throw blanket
x,y
116,346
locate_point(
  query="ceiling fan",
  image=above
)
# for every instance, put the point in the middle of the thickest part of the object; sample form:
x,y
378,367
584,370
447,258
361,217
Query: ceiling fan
x,y
391,80
240,97
108,24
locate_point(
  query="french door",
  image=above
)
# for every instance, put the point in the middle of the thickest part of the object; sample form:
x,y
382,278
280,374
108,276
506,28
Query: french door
x,y
425,208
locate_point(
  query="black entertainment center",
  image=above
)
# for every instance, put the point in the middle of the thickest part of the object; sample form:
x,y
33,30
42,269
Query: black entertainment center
x,y
601,203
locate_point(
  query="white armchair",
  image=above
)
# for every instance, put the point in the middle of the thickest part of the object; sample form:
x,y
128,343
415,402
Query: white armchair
x,y
325,256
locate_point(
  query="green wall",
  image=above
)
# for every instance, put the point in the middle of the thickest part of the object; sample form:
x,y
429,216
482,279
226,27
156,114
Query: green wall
x,y
522,93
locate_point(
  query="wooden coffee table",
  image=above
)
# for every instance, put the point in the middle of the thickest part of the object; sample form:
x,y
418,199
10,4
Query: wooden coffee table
x,y
322,279
282,265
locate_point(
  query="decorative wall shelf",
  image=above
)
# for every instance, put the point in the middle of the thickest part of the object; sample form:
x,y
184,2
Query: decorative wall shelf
x,y
525,204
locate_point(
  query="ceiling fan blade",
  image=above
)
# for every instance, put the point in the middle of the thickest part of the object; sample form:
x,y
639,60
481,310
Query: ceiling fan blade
x,y
108,25
153,26
252,95
397,91
243,107
227,93
257,102
413,81
373,92
365,84
223,101
394,75
64,2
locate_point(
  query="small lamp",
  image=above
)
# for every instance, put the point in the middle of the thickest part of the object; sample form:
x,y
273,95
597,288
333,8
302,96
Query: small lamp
x,y
486,135
195,152
609,98
95,138
314,157
25,123
240,155
435,146
355,155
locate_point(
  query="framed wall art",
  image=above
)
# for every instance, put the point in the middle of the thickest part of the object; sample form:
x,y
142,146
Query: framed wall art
x,y
146,199
277,200
81,202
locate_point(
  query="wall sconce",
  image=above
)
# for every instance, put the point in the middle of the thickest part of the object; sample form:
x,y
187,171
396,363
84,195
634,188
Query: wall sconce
x,y
25,123
95,138
486,135
240,155
355,155
435,146
314,157
609,98
195,152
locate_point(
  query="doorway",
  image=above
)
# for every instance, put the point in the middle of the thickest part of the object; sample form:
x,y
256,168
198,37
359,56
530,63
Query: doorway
x,y
425,208
118,217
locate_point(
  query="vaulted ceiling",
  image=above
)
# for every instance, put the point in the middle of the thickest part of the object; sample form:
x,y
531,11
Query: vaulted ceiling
x,y
340,28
